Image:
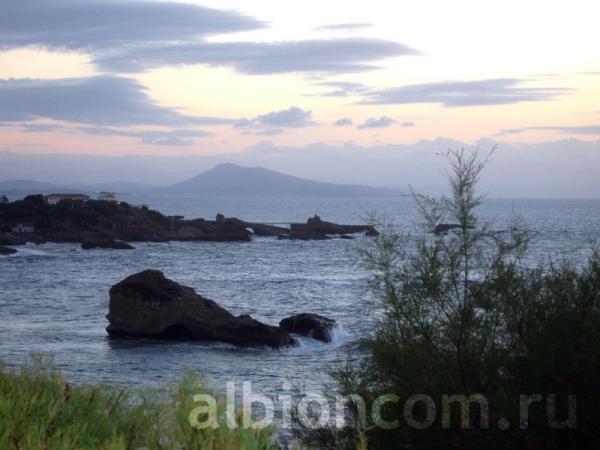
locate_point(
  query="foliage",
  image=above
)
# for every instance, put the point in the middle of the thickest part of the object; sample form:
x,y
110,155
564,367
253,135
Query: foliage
x,y
39,409
459,313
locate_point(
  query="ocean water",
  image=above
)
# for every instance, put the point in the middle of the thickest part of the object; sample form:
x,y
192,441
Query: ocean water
x,y
54,297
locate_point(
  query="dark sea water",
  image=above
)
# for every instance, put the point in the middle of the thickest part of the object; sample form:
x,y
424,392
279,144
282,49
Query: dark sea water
x,y
54,297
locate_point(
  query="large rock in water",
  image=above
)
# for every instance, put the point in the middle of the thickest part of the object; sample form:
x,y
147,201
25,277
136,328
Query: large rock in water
x,y
88,244
311,325
317,229
9,239
7,251
149,305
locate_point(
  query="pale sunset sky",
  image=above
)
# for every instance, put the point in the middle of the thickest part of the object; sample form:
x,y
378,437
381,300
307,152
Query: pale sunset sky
x,y
209,77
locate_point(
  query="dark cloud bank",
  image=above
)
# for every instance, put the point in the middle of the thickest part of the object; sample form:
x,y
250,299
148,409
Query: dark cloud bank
x,y
464,93
129,36
99,100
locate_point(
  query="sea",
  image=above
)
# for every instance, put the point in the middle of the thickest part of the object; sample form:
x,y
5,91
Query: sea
x,y
54,297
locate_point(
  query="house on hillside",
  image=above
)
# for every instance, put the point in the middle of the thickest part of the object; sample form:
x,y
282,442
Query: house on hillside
x,y
53,199
108,197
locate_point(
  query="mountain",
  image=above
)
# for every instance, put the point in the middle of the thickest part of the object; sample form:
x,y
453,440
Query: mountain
x,y
115,186
29,186
231,179
224,179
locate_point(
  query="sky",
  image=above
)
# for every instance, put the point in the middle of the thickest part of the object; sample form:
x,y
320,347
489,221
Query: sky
x,y
202,78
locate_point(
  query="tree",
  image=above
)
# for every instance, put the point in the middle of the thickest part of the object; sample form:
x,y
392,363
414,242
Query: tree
x,y
463,324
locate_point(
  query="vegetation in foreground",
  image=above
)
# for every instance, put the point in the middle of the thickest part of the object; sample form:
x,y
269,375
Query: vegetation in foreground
x,y
461,314
40,410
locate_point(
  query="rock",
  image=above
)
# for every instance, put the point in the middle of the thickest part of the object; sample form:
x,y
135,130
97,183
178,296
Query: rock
x,y
311,325
445,227
220,230
88,244
259,229
10,239
149,305
315,228
371,231
7,251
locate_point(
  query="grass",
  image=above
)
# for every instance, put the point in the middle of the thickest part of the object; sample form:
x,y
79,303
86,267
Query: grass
x,y
40,410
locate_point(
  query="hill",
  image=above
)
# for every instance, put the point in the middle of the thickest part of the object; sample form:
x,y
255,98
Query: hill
x,y
231,179
27,187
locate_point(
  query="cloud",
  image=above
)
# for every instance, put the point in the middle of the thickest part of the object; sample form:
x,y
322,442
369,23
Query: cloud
x,y
263,132
144,134
176,141
269,132
100,25
352,26
100,100
465,93
293,117
343,122
133,36
260,58
38,127
382,122
148,137
343,88
565,129
507,131
573,129
408,124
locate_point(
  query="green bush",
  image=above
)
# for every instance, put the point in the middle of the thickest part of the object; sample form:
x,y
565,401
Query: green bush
x,y
460,313
39,409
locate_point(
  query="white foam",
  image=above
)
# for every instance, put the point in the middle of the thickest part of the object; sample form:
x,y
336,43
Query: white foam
x,y
26,250
306,344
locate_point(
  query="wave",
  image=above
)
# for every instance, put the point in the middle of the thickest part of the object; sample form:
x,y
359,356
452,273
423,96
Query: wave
x,y
339,337
27,250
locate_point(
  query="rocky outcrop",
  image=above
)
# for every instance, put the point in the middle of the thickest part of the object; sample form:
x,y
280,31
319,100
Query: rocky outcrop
x,y
149,305
7,251
88,244
10,239
220,230
100,221
311,325
258,229
317,229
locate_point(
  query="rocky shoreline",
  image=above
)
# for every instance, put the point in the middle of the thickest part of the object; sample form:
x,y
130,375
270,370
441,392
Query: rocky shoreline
x,y
103,224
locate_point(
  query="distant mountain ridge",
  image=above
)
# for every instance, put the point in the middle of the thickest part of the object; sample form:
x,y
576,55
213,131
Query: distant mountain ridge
x,y
38,187
231,179
223,179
